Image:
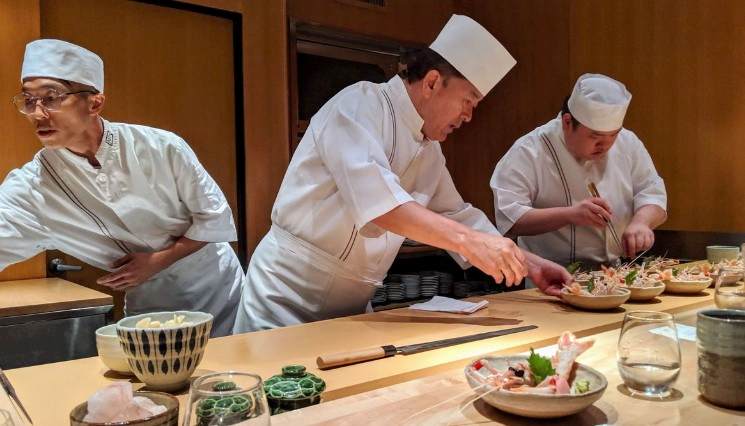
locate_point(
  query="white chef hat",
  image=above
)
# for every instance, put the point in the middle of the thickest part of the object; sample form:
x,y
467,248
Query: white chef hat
x,y
599,102
65,61
474,52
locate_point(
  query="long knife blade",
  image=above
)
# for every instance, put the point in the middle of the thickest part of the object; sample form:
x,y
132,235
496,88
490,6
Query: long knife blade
x,y
12,393
353,357
420,347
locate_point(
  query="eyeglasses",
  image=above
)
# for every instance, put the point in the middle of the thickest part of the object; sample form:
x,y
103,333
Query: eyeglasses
x,y
51,101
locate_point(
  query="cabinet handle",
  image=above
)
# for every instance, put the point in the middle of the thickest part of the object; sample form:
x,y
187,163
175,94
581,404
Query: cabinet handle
x,y
56,266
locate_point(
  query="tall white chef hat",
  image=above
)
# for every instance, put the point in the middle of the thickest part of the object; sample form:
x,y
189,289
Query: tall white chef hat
x,y
62,60
599,102
474,52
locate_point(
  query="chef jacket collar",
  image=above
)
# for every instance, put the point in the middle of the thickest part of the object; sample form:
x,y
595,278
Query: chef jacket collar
x,y
412,118
109,144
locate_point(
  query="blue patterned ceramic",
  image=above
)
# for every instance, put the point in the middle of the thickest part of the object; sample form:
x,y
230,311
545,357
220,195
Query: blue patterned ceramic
x,y
164,358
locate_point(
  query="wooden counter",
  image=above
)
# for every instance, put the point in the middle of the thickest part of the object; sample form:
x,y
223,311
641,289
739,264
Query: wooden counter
x,y
50,391
447,398
23,297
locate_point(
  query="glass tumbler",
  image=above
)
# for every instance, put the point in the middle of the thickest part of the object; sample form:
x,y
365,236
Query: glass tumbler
x,y
648,353
729,290
229,398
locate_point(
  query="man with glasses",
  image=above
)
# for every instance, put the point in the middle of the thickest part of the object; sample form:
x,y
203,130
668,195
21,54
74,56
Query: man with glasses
x,y
130,199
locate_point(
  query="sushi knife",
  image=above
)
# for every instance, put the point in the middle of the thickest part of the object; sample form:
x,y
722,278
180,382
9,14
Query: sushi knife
x,y
12,393
353,357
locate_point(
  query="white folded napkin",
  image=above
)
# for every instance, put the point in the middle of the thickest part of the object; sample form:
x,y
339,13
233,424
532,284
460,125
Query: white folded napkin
x,y
446,304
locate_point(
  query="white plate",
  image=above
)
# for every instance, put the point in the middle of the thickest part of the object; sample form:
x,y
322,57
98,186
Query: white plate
x,y
646,293
537,406
597,303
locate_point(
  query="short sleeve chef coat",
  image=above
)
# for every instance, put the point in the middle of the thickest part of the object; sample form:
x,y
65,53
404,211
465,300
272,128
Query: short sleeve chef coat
x,y
539,172
149,191
363,155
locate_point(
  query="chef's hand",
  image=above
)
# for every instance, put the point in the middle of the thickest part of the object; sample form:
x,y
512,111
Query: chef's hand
x,y
591,211
548,276
497,256
636,238
134,270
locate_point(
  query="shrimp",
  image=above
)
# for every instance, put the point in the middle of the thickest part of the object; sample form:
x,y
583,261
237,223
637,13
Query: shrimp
x,y
569,348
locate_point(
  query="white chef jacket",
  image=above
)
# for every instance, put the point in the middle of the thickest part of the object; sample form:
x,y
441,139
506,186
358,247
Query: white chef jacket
x,y
363,155
539,172
149,191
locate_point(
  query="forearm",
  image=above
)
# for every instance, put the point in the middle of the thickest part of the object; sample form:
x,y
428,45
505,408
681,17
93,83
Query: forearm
x,y
650,215
416,222
181,248
539,221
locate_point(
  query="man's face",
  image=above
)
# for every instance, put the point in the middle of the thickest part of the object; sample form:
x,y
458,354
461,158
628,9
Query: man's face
x,y
57,129
450,103
585,143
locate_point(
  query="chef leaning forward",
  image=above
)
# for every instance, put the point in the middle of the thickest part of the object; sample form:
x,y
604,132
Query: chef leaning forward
x,y
369,172
130,199
541,190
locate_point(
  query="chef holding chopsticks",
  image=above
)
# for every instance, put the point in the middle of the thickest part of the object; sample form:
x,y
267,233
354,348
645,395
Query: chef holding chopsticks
x,y
571,186
368,173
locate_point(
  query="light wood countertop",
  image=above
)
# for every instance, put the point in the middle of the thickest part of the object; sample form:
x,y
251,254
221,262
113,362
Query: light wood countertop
x,y
33,296
447,398
50,391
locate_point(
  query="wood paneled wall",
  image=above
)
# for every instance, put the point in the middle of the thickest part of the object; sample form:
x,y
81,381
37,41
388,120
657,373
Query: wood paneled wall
x,y
684,63
535,33
19,24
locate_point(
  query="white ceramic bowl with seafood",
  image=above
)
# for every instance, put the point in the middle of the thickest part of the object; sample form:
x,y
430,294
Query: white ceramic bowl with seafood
x,y
167,418
618,297
640,294
110,351
165,357
537,405
686,287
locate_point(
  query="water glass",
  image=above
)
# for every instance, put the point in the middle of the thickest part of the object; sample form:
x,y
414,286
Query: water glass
x,y
729,290
648,353
229,398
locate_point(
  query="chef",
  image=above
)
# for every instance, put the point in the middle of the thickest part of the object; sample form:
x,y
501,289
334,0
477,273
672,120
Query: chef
x,y
368,173
129,199
540,186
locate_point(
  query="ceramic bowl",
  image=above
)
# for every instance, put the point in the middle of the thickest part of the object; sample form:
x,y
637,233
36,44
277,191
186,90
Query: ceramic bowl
x,y
716,254
110,351
536,405
597,303
164,358
167,418
646,293
686,287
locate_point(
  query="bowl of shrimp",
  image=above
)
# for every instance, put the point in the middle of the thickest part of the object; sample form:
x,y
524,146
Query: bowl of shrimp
x,y
513,384
595,298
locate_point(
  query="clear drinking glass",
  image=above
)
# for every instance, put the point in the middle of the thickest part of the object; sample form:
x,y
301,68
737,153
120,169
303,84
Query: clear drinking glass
x,y
230,398
729,290
648,353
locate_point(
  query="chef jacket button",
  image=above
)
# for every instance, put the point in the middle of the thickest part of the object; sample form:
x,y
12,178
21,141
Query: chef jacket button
x,y
102,178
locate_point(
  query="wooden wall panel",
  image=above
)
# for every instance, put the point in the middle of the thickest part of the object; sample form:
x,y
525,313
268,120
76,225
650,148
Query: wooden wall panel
x,y
684,63
535,33
19,24
416,21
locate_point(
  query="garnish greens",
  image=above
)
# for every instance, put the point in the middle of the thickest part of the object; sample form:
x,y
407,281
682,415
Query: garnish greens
x,y
581,386
630,277
540,366
573,267
675,272
591,284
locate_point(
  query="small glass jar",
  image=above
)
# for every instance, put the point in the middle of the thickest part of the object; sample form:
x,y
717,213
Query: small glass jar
x,y
294,388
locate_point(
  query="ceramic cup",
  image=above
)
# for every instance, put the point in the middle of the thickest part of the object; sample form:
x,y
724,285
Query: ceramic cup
x,y
716,254
720,338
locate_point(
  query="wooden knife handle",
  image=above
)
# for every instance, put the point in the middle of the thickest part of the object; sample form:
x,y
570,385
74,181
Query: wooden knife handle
x,y
353,357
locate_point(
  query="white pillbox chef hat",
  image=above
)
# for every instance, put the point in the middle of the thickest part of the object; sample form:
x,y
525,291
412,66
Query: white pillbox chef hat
x,y
62,60
474,52
599,102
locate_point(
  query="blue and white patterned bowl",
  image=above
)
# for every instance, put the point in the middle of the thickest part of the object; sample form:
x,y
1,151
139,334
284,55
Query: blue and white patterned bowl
x,y
164,358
